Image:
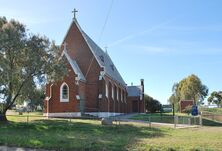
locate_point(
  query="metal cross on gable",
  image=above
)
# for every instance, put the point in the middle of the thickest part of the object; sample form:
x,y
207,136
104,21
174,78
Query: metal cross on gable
x,y
74,13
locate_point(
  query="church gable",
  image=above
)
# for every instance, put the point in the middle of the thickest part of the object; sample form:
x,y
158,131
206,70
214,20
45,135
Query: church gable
x,y
102,59
78,49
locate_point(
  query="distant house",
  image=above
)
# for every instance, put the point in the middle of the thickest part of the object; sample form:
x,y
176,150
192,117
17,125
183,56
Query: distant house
x,y
135,99
26,103
167,108
185,103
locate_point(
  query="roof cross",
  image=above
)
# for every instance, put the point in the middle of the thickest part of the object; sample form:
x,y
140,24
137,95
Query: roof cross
x,y
74,13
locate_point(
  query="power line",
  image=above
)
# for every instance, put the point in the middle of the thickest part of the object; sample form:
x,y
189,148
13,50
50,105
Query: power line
x,y
106,20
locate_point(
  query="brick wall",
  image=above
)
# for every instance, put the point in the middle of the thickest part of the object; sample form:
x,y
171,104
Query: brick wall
x,y
55,104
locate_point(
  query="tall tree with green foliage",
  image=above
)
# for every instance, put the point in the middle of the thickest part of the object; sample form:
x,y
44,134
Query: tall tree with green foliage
x,y
36,96
189,88
174,98
25,59
216,98
152,105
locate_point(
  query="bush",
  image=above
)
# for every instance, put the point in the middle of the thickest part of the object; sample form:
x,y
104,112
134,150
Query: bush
x,y
152,105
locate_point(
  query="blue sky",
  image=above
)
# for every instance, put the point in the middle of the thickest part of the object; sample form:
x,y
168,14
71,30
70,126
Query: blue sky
x,y
162,41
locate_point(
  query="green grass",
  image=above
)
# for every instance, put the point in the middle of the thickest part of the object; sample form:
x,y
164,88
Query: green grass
x,y
195,139
164,118
168,118
74,135
63,134
212,110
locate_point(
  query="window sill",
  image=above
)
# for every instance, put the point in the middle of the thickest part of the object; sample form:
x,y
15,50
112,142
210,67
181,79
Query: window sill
x,y
64,100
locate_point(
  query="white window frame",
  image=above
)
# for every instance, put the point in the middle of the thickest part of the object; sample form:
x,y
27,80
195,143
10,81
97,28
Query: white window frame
x,y
117,93
107,90
125,98
113,92
121,95
61,91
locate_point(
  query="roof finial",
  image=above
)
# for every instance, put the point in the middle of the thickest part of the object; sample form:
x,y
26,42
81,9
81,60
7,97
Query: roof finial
x,y
74,13
106,49
65,46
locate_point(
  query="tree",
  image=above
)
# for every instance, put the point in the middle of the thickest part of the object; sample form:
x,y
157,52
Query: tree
x,y
36,98
173,101
174,98
151,104
189,88
216,97
193,89
25,59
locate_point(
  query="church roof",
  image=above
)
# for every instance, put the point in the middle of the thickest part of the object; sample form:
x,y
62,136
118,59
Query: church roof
x,y
134,90
102,58
74,66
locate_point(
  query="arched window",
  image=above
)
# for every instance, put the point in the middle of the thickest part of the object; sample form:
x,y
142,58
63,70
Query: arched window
x,y
64,93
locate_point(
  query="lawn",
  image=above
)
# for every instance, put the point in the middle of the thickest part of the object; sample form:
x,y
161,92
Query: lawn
x,y
61,134
168,118
212,110
192,139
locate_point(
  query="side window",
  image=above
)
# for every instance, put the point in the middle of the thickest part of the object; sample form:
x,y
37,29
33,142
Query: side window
x,y
64,93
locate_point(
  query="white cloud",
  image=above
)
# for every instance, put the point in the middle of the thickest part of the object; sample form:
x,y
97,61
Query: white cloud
x,y
186,48
131,36
207,28
148,49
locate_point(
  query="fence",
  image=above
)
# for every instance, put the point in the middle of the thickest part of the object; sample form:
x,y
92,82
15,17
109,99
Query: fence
x,y
39,118
172,121
212,116
176,121
25,118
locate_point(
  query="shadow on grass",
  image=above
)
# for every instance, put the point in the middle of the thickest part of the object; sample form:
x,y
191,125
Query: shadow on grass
x,y
207,122
64,135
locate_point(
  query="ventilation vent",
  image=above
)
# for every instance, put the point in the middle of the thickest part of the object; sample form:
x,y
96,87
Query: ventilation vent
x,y
112,67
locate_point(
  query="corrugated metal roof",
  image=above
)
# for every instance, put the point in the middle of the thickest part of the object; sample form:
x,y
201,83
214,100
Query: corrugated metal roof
x,y
134,90
104,60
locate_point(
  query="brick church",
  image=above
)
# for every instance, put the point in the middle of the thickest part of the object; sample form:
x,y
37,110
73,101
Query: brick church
x,y
93,85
